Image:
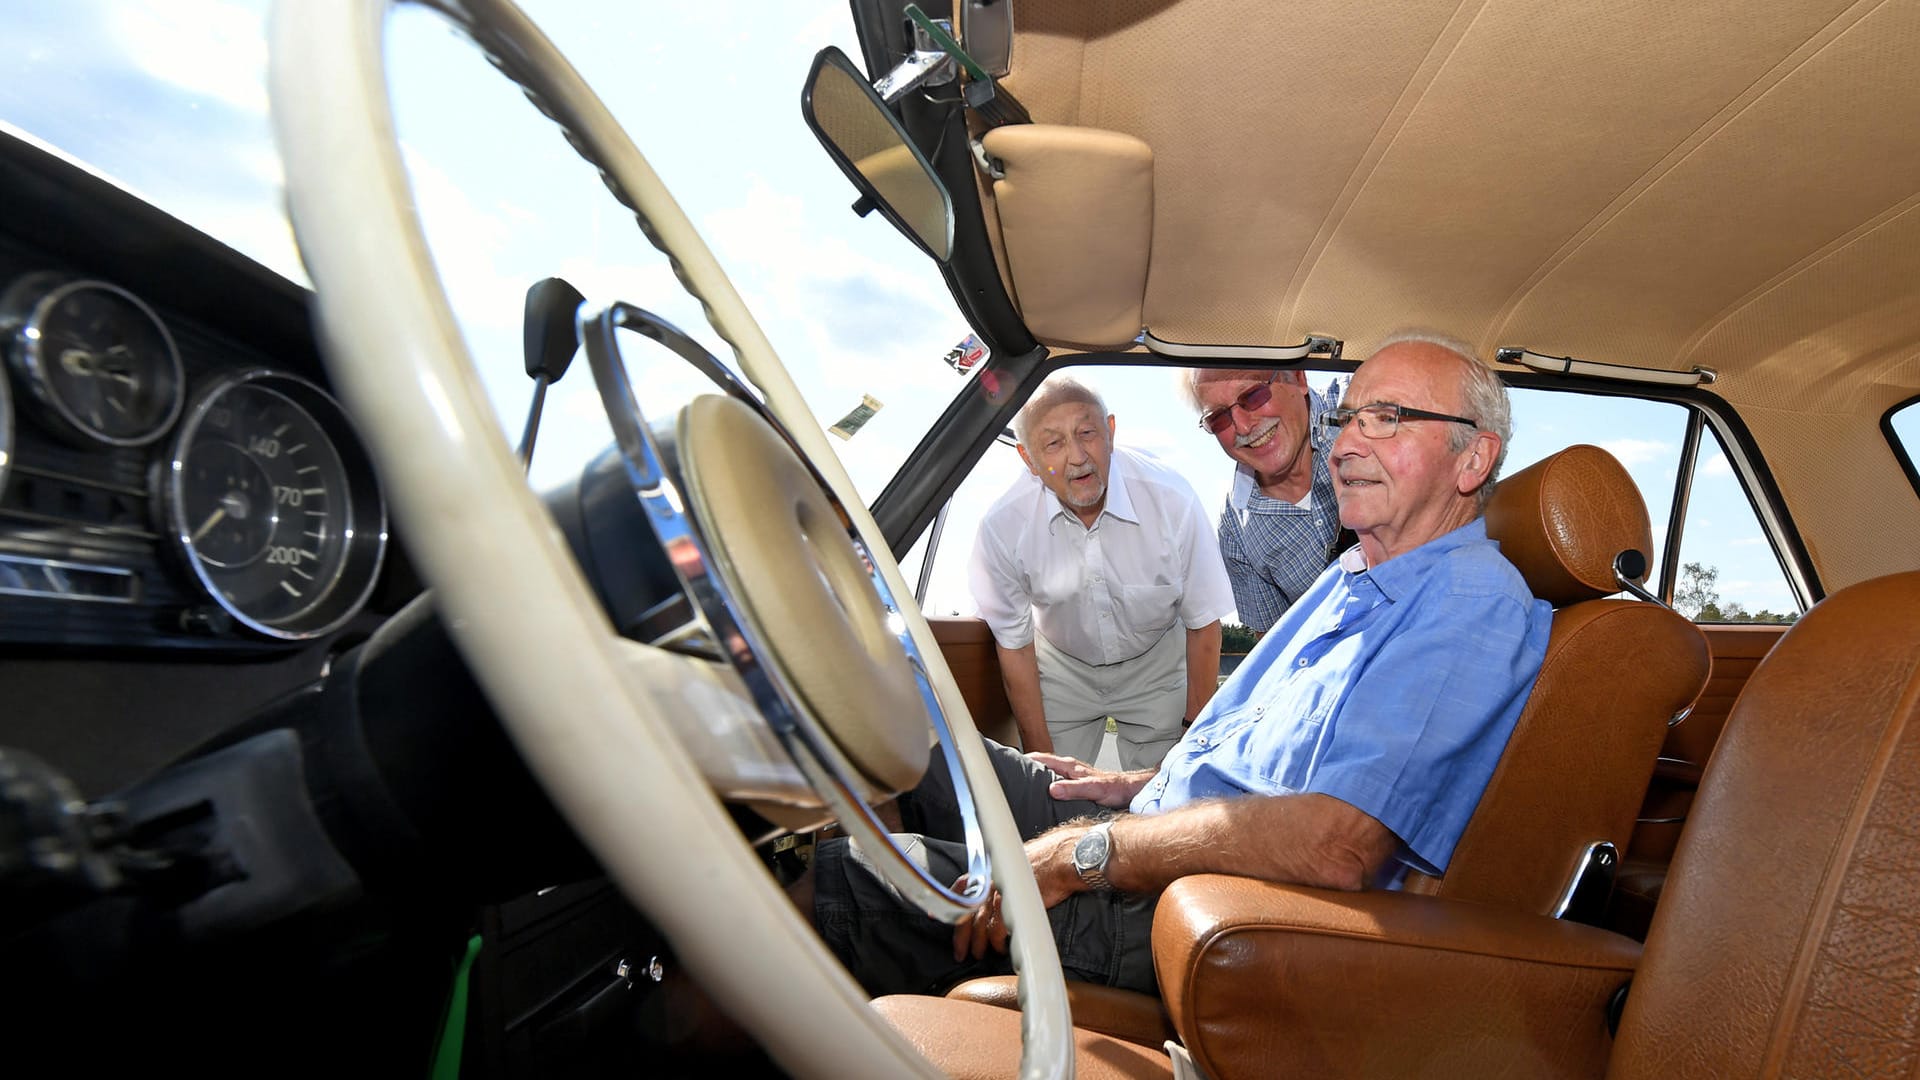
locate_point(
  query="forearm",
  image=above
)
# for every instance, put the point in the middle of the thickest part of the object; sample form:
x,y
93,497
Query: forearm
x,y
1020,674
1302,839
1203,667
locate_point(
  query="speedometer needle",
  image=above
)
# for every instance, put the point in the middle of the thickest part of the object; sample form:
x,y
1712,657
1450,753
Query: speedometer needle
x,y
212,520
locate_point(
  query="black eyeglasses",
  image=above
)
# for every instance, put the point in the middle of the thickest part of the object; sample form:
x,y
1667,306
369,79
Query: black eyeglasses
x,y
1217,421
1382,420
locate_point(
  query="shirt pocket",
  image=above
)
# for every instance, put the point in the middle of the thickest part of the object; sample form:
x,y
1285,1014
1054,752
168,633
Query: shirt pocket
x,y
1149,607
1276,754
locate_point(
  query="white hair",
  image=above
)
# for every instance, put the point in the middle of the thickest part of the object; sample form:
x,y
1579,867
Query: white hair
x,y
1057,390
1483,397
1191,378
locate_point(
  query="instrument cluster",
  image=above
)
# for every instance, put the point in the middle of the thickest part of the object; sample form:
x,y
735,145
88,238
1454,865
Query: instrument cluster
x,y
163,485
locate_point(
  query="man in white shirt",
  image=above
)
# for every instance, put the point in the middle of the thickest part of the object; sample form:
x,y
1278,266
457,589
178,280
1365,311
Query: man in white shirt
x,y
1102,582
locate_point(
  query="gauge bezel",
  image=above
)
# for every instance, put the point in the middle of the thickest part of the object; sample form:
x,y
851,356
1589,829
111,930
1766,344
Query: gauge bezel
x,y
366,546
32,365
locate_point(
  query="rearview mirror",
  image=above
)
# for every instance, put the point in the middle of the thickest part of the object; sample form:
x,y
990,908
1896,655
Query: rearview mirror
x,y
869,145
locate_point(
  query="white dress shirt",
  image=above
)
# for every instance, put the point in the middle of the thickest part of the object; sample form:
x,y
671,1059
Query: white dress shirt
x,y
1107,593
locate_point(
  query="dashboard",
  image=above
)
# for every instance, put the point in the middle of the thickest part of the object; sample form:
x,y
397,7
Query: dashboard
x,y
189,525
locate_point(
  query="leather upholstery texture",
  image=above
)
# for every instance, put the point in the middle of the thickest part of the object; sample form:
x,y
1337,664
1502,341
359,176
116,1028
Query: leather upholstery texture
x,y
1736,650
1076,220
1788,935
1562,520
1123,1014
1268,980
971,1041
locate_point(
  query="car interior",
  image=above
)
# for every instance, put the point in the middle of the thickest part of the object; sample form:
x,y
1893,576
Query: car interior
x,y
327,742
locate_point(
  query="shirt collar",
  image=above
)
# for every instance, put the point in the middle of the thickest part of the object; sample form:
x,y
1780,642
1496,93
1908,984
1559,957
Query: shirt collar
x,y
1397,576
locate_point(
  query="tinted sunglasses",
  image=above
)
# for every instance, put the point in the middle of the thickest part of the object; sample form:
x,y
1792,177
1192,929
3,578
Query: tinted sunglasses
x,y
1218,421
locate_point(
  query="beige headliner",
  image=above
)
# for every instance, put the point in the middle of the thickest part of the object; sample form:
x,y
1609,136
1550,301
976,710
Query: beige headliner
x,y
1734,183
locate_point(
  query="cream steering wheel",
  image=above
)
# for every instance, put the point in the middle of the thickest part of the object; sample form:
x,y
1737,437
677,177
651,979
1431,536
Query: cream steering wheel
x,y
602,720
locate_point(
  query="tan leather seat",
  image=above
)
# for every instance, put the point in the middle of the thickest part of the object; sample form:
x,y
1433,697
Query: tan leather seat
x,y
1576,768
1787,942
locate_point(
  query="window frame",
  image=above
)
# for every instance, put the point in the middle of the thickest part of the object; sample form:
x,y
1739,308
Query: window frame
x,y
903,525
1900,451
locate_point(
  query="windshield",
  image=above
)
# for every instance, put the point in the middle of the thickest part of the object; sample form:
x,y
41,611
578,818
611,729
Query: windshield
x,y
168,98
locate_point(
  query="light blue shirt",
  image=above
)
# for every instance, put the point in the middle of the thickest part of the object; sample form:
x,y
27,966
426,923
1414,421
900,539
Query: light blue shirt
x,y
1392,689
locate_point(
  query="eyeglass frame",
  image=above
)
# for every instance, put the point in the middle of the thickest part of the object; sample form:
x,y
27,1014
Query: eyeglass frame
x,y
1335,420
1225,412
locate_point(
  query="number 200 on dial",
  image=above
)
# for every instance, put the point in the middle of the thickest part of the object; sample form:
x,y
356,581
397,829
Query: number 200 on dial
x,y
273,507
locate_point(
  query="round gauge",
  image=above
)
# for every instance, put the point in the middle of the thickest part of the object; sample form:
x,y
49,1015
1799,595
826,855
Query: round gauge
x,y
101,362
272,502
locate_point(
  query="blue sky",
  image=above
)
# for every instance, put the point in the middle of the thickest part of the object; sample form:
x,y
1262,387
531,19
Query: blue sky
x,y
168,96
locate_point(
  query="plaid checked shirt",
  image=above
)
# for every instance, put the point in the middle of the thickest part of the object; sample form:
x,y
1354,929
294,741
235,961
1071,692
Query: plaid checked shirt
x,y
1274,550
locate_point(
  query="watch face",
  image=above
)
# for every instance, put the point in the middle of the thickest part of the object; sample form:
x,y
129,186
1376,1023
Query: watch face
x,y
1090,853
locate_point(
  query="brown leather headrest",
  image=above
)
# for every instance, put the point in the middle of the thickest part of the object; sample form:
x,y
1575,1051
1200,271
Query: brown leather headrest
x,y
1562,520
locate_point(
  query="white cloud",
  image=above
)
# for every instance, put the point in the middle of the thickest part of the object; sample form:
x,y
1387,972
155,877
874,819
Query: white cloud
x,y
1717,465
1633,452
208,48
466,242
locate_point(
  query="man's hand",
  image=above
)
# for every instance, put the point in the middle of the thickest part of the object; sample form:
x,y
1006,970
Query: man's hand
x,y
1051,856
1079,780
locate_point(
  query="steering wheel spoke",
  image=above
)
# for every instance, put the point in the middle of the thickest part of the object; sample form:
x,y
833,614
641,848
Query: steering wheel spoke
x,y
788,593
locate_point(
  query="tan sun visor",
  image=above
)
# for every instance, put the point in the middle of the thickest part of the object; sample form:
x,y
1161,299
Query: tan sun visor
x,y
1076,219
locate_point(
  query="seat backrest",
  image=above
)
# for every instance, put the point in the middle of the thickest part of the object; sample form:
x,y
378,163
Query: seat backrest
x,y
1616,671
1787,941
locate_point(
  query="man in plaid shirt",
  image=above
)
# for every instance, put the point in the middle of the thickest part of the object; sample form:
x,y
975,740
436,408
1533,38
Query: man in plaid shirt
x,y
1281,525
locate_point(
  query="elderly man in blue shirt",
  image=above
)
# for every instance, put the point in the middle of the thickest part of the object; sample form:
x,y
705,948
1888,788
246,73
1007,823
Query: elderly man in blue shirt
x,y
1352,744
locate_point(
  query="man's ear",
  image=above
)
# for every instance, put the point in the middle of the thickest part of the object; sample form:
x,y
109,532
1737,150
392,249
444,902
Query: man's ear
x,y
1110,429
1031,467
1476,465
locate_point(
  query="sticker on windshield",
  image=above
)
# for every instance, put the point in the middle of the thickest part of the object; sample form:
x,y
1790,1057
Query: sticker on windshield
x,y
858,418
964,356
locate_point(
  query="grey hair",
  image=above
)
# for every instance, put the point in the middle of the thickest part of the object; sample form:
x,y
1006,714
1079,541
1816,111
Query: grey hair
x,y
1483,397
1057,390
1191,378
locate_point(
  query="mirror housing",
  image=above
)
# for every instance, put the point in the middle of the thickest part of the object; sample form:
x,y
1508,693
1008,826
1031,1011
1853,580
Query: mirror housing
x,y
865,139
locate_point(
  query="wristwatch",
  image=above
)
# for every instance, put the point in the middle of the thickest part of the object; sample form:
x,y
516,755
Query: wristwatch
x,y
1090,855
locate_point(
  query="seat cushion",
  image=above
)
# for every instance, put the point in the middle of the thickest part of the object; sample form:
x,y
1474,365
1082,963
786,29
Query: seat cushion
x,y
1123,1014
968,1040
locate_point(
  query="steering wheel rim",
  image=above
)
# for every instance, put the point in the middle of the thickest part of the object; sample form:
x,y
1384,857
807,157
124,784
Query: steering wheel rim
x,y
580,702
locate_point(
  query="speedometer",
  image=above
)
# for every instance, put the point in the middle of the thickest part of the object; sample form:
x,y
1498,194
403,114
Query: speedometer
x,y
272,503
